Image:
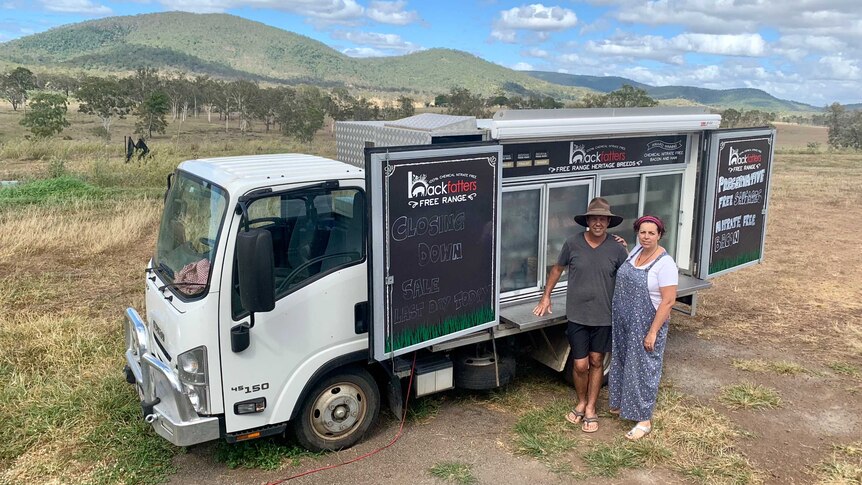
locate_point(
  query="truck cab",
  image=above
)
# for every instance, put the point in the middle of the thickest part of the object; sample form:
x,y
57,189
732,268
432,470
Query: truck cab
x,y
194,384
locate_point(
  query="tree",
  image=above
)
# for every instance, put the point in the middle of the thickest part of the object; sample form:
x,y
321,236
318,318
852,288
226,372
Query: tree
x,y
340,104
15,84
464,103
47,116
105,98
265,106
301,114
730,118
845,127
152,114
142,84
624,97
241,93
60,82
405,107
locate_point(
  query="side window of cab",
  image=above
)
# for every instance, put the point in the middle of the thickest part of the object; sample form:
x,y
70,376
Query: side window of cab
x,y
314,232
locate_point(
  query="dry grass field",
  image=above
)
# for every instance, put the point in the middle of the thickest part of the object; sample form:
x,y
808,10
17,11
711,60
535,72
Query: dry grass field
x,y
73,249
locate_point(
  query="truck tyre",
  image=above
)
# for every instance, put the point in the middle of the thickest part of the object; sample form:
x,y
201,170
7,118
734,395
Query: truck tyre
x,y
570,363
338,411
478,372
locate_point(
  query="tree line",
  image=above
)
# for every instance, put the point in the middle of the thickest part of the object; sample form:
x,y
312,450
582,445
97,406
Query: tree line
x,y
154,98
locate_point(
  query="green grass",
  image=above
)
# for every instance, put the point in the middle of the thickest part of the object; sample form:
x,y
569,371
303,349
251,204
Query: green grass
x,y
56,190
544,433
844,466
845,368
783,367
454,472
265,454
607,459
425,408
750,396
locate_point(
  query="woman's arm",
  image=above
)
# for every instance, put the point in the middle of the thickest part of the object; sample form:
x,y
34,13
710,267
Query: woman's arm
x,y
668,297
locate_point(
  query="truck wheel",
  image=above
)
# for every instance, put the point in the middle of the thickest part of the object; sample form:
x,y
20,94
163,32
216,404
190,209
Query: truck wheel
x,y
478,372
570,363
339,411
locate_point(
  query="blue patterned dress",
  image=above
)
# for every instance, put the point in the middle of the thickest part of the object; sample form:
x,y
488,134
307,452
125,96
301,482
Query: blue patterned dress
x,y
635,373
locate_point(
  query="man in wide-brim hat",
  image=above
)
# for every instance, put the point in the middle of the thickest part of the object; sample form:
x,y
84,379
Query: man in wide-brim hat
x,y
592,260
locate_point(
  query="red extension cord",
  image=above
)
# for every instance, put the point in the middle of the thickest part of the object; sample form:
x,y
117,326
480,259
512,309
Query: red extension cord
x,y
397,435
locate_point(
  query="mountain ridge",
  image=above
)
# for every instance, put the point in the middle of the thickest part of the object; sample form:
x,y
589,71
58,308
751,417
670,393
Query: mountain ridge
x,y
229,46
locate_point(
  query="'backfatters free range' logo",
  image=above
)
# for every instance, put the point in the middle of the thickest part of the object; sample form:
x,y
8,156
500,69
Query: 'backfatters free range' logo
x,y
444,189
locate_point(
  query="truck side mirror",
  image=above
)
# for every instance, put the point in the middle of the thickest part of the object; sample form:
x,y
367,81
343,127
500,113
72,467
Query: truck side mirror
x,y
256,270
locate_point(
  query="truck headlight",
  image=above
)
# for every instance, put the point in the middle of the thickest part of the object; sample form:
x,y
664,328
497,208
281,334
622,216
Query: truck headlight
x,y
192,370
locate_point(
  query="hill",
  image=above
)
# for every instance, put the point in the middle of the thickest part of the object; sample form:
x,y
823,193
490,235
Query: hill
x,y
231,47
744,98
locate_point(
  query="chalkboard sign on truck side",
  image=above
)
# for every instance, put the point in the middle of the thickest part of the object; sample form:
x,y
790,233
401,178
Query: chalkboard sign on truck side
x,y
434,244
739,169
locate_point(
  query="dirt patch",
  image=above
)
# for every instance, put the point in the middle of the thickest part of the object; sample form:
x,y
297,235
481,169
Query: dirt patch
x,y
791,135
783,445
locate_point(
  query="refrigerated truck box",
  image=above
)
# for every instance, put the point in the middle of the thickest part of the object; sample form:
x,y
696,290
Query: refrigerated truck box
x,y
709,186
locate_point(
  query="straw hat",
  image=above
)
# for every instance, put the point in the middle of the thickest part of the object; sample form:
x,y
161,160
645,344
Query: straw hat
x,y
599,207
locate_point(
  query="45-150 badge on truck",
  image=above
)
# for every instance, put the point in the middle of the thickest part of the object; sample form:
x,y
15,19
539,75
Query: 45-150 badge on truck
x,y
250,389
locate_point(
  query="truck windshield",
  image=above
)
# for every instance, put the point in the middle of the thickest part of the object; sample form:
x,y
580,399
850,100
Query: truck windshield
x,y
188,233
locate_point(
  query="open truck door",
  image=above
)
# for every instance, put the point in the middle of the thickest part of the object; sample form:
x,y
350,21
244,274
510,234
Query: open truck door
x,y
434,244
737,178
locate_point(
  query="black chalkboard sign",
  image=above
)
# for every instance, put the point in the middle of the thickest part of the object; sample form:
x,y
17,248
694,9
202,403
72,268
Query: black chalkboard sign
x,y
741,163
571,157
434,244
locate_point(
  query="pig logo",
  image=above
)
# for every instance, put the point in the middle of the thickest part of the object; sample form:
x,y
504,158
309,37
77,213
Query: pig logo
x,y
577,154
417,185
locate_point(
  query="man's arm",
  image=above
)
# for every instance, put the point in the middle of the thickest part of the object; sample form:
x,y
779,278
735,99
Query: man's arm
x,y
544,305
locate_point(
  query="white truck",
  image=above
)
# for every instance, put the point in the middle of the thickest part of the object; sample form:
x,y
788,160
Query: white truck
x,y
267,293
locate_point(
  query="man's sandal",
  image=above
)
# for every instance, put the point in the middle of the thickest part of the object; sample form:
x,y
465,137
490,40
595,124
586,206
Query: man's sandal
x,y
575,416
638,432
587,428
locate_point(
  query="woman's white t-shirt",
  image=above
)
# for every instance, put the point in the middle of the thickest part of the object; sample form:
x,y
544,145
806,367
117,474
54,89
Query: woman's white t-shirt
x,y
663,273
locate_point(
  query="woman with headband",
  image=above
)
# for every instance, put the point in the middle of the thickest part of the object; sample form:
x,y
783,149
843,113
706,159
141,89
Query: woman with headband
x,y
644,293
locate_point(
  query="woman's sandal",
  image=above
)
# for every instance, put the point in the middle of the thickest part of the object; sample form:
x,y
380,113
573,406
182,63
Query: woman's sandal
x,y
638,432
615,412
575,416
589,421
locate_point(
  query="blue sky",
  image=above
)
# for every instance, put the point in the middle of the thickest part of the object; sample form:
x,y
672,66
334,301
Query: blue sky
x,y
803,50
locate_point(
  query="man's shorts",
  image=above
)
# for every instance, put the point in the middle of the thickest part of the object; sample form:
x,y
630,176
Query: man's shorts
x,y
587,338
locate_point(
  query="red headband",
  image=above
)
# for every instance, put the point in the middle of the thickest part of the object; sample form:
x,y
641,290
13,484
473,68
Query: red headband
x,y
655,220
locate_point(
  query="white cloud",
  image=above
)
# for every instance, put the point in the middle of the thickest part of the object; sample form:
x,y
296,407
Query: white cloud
x,y
838,68
391,13
535,18
381,43
86,7
507,36
537,53
722,44
672,50
320,11
523,66
363,52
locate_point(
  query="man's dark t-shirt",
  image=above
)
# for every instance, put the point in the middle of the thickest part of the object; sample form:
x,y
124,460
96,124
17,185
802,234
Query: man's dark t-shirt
x,y
591,278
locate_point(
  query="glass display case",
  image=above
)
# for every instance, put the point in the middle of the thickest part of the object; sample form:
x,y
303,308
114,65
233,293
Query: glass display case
x,y
662,199
519,239
564,203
